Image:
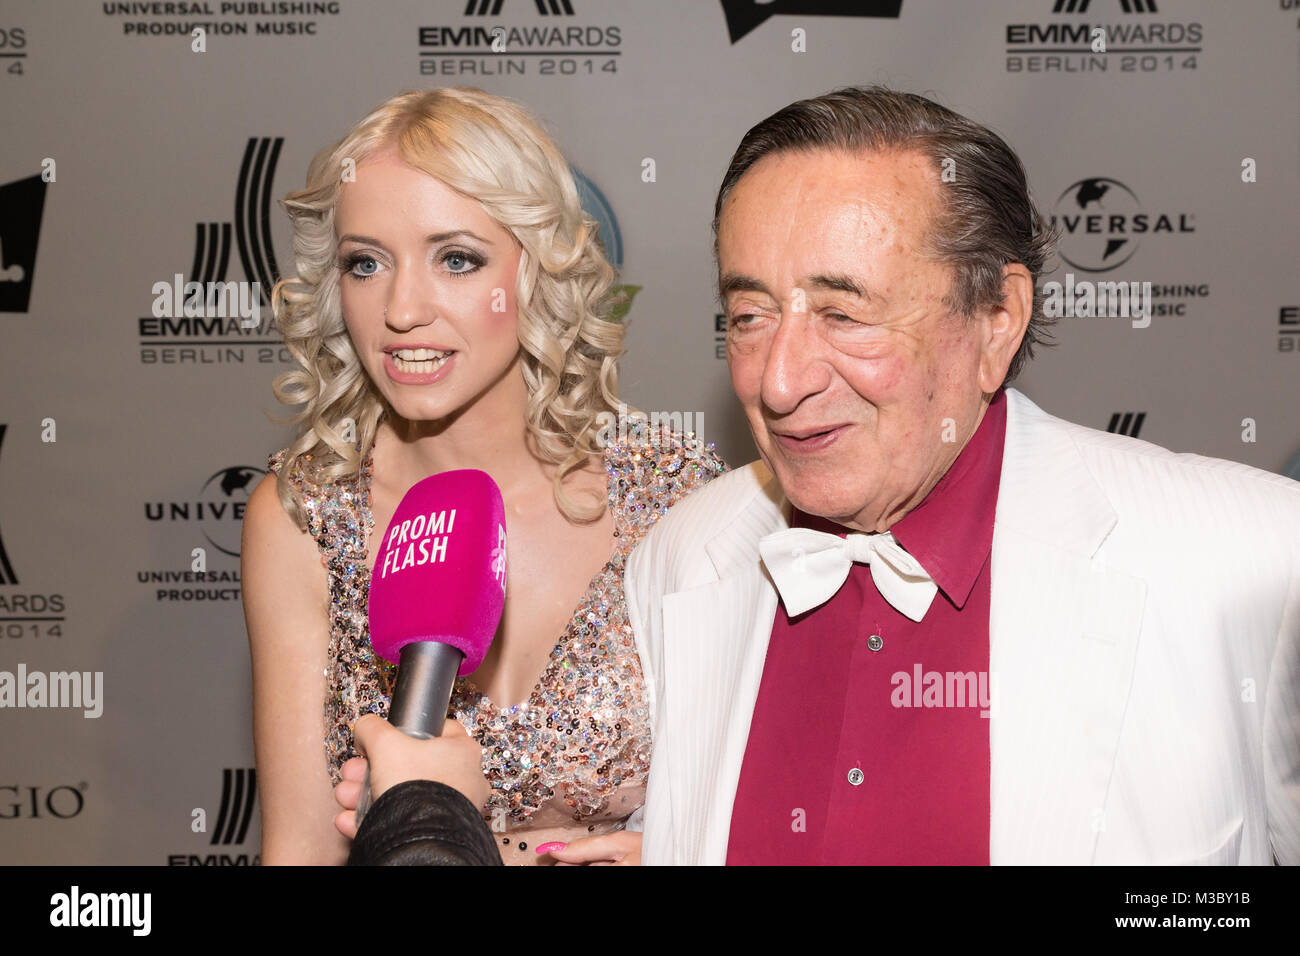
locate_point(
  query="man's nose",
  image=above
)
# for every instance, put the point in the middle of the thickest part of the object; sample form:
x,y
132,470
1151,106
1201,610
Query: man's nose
x,y
795,367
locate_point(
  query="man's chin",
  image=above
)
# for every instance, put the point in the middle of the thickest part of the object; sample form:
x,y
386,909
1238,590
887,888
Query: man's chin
x,y
830,511
814,486
819,495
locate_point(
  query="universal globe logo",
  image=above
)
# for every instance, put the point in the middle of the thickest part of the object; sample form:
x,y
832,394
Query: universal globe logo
x,y
1102,223
218,509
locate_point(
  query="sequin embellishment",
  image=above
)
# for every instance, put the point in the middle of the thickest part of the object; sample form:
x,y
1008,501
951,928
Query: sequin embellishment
x,y
583,735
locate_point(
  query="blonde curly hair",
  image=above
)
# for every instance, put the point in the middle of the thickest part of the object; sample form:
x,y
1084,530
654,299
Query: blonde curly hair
x,y
490,149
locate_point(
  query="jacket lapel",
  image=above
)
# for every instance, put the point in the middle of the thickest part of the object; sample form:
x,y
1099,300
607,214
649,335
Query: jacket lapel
x,y
1063,632
715,644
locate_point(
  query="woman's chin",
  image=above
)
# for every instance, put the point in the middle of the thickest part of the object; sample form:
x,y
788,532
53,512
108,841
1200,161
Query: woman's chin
x,y
419,409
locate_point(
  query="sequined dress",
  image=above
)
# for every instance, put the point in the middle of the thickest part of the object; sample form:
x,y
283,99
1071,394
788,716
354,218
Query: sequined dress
x,y
573,759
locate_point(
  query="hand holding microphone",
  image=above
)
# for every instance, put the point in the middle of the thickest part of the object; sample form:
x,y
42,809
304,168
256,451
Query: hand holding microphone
x,y
436,595
454,759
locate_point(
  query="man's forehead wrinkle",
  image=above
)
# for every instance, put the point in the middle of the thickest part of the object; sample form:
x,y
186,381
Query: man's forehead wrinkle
x,y
853,219
793,210
805,219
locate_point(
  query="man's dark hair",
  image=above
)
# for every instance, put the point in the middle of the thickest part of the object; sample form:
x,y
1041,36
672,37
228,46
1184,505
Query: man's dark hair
x,y
988,219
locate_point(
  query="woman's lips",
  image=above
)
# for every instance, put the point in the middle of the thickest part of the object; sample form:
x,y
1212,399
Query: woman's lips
x,y
417,378
812,442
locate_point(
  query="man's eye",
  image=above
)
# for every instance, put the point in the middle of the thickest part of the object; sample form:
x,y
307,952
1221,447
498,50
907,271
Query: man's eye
x,y
841,319
741,320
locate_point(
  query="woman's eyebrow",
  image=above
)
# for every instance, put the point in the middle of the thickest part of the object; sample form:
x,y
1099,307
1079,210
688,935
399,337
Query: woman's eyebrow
x,y
431,239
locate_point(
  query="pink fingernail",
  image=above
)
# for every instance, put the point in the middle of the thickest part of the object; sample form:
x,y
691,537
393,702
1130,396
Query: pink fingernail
x,y
548,847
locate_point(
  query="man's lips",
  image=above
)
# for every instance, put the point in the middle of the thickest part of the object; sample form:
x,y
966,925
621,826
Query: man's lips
x,y
812,438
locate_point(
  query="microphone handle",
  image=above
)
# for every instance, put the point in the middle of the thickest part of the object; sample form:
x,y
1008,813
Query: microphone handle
x,y
426,671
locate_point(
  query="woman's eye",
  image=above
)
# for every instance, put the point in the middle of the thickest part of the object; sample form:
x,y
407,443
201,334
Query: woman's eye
x,y
461,263
361,267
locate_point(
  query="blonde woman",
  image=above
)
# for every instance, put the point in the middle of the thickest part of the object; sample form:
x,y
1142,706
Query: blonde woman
x,y
451,311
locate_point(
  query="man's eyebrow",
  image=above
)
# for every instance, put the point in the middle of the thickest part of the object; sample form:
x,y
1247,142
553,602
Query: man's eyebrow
x,y
840,282
835,282
735,282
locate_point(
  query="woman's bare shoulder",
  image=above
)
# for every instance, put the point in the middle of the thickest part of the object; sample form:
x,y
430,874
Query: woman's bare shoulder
x,y
274,548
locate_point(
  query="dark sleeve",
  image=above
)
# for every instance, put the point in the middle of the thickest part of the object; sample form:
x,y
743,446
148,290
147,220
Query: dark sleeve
x,y
423,823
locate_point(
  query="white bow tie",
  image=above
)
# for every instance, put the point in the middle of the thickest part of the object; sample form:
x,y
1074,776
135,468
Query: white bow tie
x,y
810,566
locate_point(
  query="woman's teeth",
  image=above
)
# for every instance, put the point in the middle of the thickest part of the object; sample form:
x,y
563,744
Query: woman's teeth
x,y
419,361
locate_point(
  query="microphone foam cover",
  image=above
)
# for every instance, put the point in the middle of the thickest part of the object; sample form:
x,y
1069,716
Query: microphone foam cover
x,y
440,572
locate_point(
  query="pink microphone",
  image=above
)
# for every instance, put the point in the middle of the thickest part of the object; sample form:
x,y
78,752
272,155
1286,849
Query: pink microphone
x,y
440,574
436,594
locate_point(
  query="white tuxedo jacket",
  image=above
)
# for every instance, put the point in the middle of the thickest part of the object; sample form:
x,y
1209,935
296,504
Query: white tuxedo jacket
x,y
1144,636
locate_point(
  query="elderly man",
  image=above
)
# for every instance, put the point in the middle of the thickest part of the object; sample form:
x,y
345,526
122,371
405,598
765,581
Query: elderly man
x,y
935,624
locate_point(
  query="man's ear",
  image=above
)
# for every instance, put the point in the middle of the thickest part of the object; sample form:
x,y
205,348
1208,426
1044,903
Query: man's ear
x,y
1004,326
